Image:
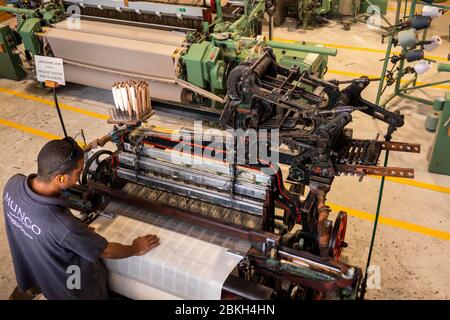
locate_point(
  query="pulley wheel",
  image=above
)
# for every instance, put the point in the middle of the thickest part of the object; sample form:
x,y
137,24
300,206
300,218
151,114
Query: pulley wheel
x,y
337,242
98,167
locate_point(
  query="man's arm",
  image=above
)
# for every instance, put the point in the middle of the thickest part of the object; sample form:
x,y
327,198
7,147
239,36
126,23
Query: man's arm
x,y
140,246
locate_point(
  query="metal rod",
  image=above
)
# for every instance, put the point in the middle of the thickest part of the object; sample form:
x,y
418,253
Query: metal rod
x,y
137,23
55,97
389,98
237,231
383,72
303,48
421,100
404,11
219,10
399,74
375,224
443,67
424,85
19,11
413,8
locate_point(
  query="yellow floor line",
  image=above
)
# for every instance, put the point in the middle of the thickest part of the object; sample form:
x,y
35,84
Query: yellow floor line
x,y
34,131
27,129
343,46
355,74
362,215
409,182
417,184
51,104
393,222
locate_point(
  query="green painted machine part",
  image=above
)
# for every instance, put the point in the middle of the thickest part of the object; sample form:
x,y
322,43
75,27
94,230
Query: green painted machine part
x,y
443,67
27,30
306,11
49,12
10,65
440,153
205,67
404,87
250,23
207,62
31,21
303,10
303,48
316,66
308,8
208,57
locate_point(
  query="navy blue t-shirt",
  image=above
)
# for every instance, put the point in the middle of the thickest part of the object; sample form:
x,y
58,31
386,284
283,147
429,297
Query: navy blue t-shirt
x,y
51,249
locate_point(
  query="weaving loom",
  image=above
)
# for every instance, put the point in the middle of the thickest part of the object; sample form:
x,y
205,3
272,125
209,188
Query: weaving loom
x,y
184,49
224,191
226,227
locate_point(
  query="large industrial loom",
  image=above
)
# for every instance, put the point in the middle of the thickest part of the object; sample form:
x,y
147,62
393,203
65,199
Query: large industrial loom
x,y
230,228
282,242
184,49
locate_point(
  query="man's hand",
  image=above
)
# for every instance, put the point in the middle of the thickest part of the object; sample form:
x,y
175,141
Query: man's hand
x,y
144,244
140,246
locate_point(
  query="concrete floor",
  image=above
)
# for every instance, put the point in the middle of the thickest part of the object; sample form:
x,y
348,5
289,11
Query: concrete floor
x,y
412,246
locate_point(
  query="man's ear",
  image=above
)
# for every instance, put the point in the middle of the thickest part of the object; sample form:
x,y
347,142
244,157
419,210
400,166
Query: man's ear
x,y
60,178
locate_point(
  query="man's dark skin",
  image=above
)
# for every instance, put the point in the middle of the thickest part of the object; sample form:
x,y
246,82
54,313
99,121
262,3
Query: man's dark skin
x,y
114,250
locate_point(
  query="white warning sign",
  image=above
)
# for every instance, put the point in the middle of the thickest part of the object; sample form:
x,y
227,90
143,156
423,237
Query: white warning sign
x,y
50,69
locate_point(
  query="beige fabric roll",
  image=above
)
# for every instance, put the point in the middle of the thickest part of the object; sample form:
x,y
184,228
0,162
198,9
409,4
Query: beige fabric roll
x,y
114,53
136,290
100,54
171,38
181,266
105,80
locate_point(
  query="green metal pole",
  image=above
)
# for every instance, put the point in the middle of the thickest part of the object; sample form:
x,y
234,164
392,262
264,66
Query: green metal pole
x,y
443,67
413,8
395,94
375,224
424,85
303,48
413,98
14,10
383,73
399,74
406,8
218,10
397,11
388,99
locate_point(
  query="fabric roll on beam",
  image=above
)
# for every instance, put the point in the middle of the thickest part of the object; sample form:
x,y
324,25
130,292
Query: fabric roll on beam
x,y
181,266
100,54
136,290
173,38
106,79
149,58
